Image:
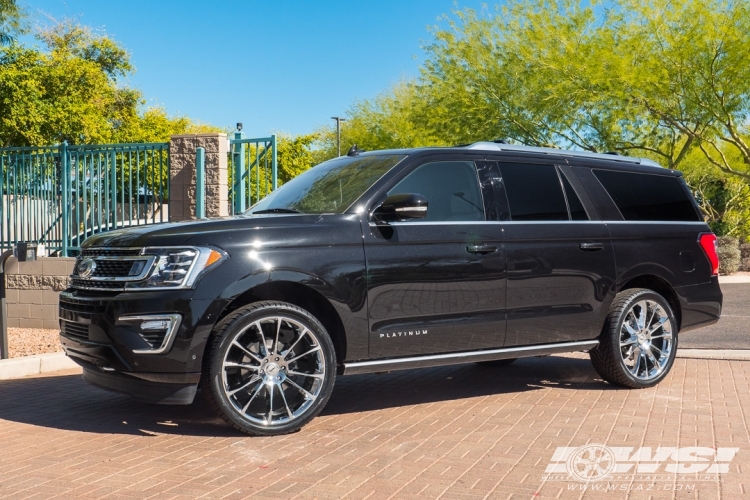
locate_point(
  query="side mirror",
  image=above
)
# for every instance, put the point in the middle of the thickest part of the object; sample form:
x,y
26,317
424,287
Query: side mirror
x,y
401,207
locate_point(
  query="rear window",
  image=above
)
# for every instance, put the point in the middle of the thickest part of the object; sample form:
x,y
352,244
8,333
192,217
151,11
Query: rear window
x,y
648,197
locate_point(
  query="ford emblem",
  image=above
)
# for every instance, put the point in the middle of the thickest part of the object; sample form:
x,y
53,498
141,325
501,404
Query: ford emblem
x,y
87,267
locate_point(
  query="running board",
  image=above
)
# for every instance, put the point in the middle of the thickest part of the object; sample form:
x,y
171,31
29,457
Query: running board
x,y
455,358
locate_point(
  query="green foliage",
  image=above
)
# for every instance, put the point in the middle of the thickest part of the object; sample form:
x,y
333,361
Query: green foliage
x,y
729,255
11,21
71,91
664,79
745,257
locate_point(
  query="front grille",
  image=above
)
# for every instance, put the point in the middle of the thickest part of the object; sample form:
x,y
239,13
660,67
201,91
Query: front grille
x,y
76,331
82,305
112,268
97,285
109,252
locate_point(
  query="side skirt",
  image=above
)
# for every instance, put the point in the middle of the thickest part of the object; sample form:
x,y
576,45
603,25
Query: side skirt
x,y
455,358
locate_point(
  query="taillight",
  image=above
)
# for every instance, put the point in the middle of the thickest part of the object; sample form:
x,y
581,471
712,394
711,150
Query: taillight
x,y
710,247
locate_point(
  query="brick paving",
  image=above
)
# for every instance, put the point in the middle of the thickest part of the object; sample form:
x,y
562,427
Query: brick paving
x,y
454,433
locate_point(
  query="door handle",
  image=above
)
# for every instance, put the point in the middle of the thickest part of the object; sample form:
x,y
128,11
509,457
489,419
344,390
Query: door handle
x,y
591,247
480,248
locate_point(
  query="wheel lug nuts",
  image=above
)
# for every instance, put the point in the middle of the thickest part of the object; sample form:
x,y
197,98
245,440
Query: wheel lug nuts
x,y
277,359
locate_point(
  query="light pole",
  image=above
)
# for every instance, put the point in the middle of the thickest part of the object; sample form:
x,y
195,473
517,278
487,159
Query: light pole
x,y
338,132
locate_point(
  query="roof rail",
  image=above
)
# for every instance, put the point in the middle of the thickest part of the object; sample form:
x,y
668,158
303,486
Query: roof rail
x,y
494,146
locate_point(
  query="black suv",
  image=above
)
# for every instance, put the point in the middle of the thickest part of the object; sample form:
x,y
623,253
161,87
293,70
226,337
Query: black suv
x,y
393,260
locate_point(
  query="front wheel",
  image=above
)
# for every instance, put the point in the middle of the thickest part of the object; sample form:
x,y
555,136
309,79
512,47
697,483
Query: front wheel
x,y
270,368
638,344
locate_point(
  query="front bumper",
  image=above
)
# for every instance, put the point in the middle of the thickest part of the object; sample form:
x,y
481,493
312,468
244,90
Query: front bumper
x,y
93,336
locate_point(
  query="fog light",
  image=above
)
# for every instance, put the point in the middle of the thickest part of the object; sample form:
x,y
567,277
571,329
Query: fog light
x,y
157,330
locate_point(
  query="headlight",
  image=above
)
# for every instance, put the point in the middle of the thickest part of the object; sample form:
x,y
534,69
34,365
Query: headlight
x,y
178,267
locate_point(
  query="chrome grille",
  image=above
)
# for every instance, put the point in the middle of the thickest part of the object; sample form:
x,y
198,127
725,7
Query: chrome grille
x,y
111,267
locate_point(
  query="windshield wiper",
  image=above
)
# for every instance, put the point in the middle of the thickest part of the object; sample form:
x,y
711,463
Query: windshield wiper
x,y
277,211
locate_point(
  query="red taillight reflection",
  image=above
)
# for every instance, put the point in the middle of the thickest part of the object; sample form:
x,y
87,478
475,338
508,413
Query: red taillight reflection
x,y
709,246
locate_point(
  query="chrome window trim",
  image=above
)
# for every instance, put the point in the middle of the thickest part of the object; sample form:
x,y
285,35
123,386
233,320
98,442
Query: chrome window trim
x,y
166,344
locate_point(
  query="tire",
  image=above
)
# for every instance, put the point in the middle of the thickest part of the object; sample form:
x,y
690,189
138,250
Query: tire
x,y
636,351
497,363
269,368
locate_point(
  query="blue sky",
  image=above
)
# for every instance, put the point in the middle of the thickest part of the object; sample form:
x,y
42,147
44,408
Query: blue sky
x,y
287,65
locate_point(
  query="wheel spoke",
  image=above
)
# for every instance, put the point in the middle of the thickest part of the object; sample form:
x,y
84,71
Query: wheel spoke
x,y
276,340
232,364
651,358
311,375
300,389
262,337
637,359
641,318
247,351
286,405
255,393
630,341
302,334
270,404
660,323
314,349
253,379
629,328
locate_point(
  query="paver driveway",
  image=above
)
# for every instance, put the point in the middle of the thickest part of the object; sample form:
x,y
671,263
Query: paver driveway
x,y
460,432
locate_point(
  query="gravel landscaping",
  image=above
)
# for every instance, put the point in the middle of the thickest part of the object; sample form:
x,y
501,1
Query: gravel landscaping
x,y
30,341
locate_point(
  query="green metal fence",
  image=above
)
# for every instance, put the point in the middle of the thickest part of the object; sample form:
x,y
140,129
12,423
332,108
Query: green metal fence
x,y
254,170
60,195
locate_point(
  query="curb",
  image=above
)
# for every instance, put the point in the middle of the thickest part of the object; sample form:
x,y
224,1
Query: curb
x,y
34,365
723,354
726,280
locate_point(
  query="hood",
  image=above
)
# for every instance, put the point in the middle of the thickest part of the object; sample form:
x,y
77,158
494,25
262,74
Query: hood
x,y
201,232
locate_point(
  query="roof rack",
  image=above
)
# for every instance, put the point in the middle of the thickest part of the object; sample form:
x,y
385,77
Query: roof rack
x,y
494,146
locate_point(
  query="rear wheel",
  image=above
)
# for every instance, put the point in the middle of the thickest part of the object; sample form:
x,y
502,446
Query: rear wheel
x,y
638,344
270,368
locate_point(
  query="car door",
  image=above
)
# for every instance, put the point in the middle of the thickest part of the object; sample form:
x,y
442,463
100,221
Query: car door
x,y
560,258
437,284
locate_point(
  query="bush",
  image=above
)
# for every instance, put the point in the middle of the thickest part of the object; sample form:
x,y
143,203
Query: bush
x,y
745,257
730,256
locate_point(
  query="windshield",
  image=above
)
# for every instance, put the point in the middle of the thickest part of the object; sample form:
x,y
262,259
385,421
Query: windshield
x,y
331,187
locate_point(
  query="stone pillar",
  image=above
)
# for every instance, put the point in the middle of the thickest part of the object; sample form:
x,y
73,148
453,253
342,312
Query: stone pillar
x,y
182,175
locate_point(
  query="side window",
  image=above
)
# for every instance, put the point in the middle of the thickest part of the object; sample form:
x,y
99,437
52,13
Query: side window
x,y
534,192
577,212
648,197
451,189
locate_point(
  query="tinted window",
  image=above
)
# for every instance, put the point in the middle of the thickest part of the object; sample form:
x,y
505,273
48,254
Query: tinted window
x,y
451,189
330,187
577,212
534,192
648,197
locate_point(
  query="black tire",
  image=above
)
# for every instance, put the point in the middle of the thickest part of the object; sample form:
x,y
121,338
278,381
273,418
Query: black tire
x,y
294,358
497,363
609,357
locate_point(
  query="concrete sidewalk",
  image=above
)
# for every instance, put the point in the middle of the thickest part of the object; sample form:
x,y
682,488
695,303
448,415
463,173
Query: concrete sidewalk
x,y
467,431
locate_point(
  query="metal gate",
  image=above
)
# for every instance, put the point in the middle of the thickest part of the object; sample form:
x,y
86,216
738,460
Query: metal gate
x,y
254,170
60,195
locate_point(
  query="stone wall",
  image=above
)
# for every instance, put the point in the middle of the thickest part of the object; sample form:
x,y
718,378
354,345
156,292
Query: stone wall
x,y
182,175
32,290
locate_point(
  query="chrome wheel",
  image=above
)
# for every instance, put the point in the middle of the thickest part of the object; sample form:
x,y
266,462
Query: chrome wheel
x,y
273,371
646,340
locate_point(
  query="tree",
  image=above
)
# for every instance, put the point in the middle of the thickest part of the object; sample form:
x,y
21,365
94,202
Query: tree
x,y
11,21
394,119
72,92
656,78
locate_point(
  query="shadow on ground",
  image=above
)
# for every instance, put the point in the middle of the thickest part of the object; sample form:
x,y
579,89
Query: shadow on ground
x,y
69,403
